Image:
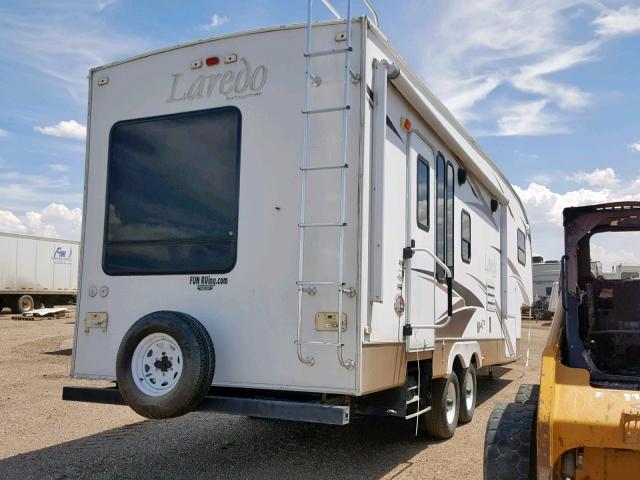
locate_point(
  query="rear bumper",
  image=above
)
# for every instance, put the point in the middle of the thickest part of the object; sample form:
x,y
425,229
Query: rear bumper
x,y
281,409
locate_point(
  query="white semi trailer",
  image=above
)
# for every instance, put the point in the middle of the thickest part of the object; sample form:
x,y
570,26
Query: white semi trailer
x,y
36,271
286,223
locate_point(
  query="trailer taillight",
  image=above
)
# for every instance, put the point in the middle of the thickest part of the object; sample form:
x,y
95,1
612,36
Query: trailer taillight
x,y
211,61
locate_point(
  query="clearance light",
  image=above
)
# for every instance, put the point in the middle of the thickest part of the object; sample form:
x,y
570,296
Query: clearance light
x,y
211,61
406,124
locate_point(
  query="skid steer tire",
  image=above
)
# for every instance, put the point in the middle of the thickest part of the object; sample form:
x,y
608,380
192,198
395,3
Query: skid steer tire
x,y
165,364
509,443
528,393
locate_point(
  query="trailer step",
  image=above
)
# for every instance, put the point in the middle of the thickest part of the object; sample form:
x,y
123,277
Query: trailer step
x,y
333,51
326,110
414,415
325,167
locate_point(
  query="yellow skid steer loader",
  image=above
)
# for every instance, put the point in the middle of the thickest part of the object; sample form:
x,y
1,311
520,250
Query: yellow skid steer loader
x,y
583,422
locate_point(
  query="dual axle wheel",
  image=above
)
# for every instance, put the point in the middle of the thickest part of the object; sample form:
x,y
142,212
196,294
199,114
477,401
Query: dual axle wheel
x,y
453,400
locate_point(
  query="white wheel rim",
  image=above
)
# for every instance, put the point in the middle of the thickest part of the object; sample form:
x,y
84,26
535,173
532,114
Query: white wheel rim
x,y
451,402
157,364
469,391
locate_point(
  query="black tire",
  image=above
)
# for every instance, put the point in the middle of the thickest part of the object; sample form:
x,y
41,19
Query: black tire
x,y
435,420
24,304
528,394
198,365
466,412
510,443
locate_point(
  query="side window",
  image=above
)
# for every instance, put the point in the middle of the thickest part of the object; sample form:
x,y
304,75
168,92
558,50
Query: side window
x,y
465,236
522,251
445,181
423,194
440,212
450,215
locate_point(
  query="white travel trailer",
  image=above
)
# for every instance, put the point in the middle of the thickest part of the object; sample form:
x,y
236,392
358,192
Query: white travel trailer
x,y
268,242
36,271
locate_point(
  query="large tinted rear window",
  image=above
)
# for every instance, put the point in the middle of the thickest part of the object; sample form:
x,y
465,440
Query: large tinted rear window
x,y
172,194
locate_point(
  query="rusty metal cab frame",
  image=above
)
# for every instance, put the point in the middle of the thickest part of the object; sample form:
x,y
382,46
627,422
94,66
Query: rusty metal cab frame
x,y
588,423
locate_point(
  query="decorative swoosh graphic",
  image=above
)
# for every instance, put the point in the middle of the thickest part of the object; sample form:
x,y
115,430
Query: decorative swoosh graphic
x,y
516,275
483,208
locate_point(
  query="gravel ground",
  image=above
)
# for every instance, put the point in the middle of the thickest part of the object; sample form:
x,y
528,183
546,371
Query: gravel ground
x,y
45,438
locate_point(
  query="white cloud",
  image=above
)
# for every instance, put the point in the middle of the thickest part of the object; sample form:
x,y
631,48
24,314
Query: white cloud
x,y
528,118
613,249
55,220
216,21
468,95
526,155
65,129
20,191
530,77
105,4
59,167
58,42
494,63
618,22
3,133
603,178
10,223
635,147
544,206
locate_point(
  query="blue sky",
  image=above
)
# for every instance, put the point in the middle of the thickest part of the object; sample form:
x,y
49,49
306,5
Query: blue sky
x,y
549,88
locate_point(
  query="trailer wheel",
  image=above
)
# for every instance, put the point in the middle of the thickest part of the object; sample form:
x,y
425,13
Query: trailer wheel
x,y
24,304
165,364
442,419
510,443
528,394
468,391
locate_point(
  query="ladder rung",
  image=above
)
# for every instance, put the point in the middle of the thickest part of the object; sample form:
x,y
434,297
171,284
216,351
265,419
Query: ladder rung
x,y
322,224
325,167
326,110
304,284
313,342
334,51
413,400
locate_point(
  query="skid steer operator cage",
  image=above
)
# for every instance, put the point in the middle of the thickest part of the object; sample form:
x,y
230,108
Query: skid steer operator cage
x,y
586,298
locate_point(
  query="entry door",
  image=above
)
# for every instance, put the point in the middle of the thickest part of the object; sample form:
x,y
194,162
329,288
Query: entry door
x,y
420,296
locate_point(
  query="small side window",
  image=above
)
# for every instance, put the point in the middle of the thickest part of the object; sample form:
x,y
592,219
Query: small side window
x,y
423,194
465,246
522,250
450,216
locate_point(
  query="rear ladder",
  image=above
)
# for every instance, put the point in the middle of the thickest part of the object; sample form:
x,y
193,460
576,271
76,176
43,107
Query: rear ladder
x,y
311,286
